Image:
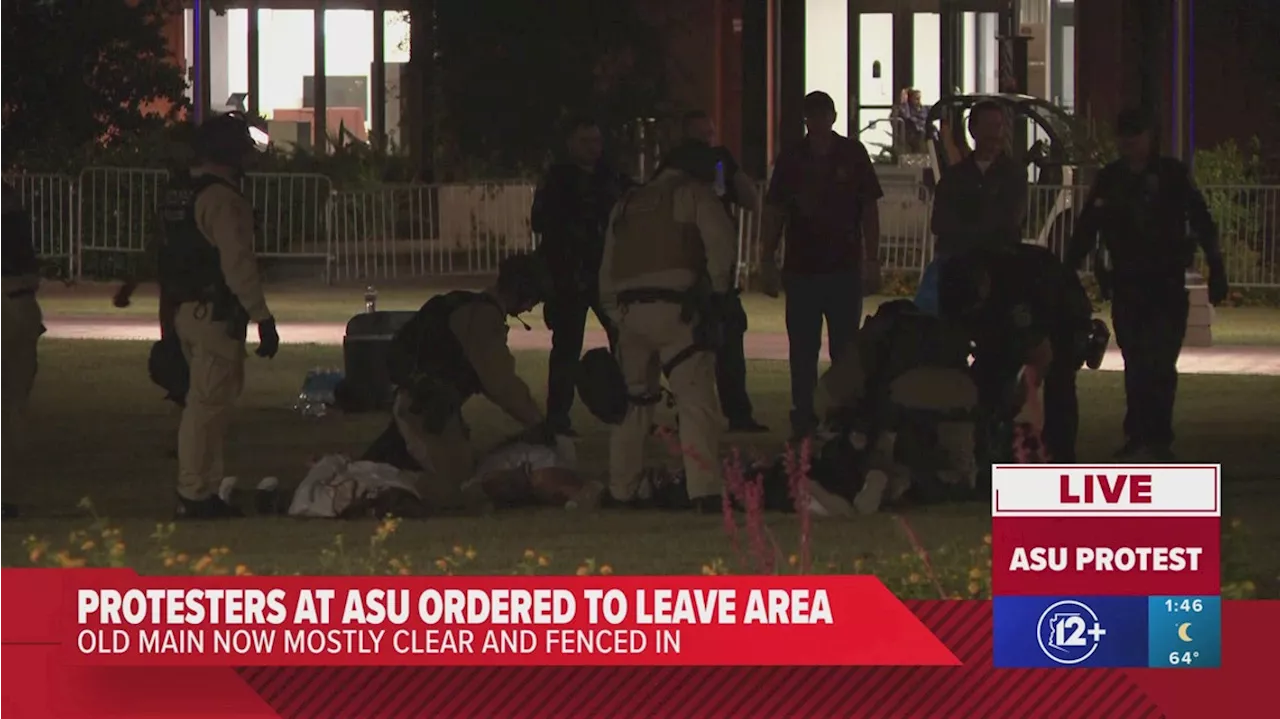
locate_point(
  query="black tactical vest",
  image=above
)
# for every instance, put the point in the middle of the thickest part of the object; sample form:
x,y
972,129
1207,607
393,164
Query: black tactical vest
x,y
189,265
19,253
426,346
905,339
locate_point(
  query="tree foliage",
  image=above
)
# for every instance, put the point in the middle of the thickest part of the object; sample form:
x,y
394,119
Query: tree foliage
x,y
510,71
79,76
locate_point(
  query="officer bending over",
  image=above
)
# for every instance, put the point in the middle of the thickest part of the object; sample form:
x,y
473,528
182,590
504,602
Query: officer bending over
x,y
454,348
903,406
1021,307
208,269
665,281
1141,206
23,324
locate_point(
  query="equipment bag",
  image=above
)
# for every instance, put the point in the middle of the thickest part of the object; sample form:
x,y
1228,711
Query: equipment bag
x,y
602,387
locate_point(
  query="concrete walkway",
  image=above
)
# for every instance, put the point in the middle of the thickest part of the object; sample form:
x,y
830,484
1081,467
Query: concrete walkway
x,y
1243,360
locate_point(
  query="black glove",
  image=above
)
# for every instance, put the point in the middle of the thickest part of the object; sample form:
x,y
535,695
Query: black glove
x,y
1218,286
268,338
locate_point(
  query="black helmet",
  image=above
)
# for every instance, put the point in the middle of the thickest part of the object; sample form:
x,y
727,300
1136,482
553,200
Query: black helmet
x,y
224,139
525,278
695,158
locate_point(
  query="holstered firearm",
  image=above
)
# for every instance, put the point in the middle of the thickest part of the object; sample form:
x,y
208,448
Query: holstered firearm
x,y
224,306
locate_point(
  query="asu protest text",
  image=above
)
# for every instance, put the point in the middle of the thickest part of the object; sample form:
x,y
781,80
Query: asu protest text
x,y
451,607
1106,559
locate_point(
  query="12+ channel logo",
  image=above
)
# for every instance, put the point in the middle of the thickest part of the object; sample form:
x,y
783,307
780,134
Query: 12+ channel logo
x,y
1066,632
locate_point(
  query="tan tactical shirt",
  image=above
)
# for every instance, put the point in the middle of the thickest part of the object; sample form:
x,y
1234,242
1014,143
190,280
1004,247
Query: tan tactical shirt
x,y
481,329
696,204
226,219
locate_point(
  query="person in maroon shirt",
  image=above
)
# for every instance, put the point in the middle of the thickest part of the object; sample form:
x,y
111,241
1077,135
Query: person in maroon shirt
x,y
824,192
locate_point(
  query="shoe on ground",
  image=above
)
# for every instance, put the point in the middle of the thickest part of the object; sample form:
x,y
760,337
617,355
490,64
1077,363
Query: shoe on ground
x,y
747,425
871,495
1161,453
827,504
711,504
1131,449
608,501
209,508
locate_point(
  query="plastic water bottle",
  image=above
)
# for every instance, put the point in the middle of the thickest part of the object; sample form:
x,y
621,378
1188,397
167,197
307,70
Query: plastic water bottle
x,y
370,299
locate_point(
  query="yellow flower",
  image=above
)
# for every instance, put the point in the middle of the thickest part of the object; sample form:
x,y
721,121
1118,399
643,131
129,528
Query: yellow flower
x,y
793,560
470,554
459,551
606,570
442,564
583,571
242,571
530,555
117,549
975,573
914,578
1236,523
859,566
182,558
36,554
168,561
708,570
1248,586
87,546
543,561
203,565
986,539
974,589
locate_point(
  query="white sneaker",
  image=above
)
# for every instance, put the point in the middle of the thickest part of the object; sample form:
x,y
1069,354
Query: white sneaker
x,y
872,494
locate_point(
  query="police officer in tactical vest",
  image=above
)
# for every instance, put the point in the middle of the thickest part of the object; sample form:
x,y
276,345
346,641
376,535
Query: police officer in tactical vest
x,y
23,323
665,280
208,269
1021,307
1141,207
454,348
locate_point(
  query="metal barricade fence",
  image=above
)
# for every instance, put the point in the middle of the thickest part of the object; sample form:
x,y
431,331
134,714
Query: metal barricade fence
x,y
107,215
117,213
423,230
50,201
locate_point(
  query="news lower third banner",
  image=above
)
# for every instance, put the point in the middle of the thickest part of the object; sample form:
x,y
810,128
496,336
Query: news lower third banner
x,y
119,618
1106,566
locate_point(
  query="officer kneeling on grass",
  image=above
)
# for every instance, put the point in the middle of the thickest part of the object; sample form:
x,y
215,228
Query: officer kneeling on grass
x,y
1022,307
902,407
665,281
454,348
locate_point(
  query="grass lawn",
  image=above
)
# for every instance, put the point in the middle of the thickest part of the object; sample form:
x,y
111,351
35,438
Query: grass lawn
x,y
100,430
308,303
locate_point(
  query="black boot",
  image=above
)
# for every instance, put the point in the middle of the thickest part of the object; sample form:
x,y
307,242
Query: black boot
x,y
209,508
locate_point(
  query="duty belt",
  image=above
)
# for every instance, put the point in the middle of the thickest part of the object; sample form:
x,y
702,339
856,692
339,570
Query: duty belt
x,y
645,295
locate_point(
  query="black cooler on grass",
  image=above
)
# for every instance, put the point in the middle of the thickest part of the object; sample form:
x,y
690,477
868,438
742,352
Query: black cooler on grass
x,y
366,386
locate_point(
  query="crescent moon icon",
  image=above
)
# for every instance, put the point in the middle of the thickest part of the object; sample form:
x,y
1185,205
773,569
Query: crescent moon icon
x,y
1183,633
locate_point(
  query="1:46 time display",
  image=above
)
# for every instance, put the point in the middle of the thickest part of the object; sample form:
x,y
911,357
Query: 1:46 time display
x,y
1175,606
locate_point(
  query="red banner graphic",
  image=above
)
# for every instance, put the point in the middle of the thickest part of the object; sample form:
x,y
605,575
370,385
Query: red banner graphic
x,y
41,611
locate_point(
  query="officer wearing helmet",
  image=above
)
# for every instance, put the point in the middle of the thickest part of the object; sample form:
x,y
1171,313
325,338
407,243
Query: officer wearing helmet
x,y
23,321
208,273
665,280
454,348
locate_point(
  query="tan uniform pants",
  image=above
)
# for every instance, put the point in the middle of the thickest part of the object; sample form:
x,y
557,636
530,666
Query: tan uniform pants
x,y
217,378
446,458
650,334
22,322
942,390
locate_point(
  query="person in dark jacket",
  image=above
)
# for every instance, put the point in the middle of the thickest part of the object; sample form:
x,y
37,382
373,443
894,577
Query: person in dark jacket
x,y
1022,307
1140,207
23,324
570,210
735,190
